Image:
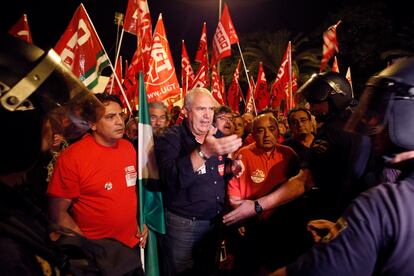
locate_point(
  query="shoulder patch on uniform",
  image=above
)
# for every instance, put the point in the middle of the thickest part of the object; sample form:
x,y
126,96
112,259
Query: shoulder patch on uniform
x,y
320,146
340,225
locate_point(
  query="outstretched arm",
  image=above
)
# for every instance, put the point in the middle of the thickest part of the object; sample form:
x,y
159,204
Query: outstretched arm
x,y
287,192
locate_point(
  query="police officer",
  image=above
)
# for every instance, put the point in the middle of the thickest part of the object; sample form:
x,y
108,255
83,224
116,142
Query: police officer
x,y
374,236
35,89
335,160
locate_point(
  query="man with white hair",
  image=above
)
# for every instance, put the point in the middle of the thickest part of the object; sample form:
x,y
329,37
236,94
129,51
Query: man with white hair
x,y
192,160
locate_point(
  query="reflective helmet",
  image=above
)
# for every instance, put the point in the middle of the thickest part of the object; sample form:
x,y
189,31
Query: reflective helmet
x,y
328,86
36,87
387,103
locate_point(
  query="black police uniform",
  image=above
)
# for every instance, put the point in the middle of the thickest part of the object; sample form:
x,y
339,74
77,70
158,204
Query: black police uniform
x,y
375,236
337,160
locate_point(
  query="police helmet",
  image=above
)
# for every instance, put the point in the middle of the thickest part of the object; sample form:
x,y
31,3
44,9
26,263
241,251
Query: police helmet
x,y
387,104
328,86
36,87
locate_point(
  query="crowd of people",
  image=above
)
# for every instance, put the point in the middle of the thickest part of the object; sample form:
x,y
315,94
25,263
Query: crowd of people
x,y
321,190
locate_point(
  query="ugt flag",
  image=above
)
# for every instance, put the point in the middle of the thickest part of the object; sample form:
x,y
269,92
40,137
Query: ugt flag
x,y
81,49
150,198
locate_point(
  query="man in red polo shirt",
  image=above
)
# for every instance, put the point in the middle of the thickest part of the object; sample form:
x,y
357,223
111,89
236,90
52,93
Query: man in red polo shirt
x,y
267,164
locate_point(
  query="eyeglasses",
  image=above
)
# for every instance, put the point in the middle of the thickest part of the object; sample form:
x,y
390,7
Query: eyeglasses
x,y
154,118
225,118
299,121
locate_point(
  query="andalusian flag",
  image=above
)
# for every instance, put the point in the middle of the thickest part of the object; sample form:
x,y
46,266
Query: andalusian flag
x,y
150,199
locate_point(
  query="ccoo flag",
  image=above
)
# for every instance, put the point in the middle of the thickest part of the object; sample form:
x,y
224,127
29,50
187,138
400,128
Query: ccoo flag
x,y
150,198
224,37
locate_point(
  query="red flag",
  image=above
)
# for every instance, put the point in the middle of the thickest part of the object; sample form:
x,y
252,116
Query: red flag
x,y
21,29
335,67
201,78
187,73
215,86
138,21
349,78
223,90
131,17
224,37
81,49
281,97
250,98
202,52
330,45
161,80
233,94
262,96
112,87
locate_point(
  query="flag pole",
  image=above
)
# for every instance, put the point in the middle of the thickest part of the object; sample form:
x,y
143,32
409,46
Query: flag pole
x,y
219,16
247,76
290,75
110,63
119,17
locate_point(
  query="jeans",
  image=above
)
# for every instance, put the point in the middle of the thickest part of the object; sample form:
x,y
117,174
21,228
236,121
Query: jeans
x,y
191,245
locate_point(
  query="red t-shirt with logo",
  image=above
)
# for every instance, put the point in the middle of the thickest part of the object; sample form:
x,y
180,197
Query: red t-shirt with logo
x,y
263,172
101,182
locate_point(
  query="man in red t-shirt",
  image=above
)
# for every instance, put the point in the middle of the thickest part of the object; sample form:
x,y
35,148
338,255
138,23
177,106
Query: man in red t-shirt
x,y
92,190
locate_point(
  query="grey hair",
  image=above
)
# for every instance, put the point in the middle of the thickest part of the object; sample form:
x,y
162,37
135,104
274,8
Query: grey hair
x,y
158,105
189,97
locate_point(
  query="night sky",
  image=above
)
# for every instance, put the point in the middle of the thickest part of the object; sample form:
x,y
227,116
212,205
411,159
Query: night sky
x,y
183,19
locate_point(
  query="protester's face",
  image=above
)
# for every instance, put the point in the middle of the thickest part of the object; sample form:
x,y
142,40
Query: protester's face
x,y
265,132
158,118
300,124
132,130
238,126
224,123
200,115
248,119
110,128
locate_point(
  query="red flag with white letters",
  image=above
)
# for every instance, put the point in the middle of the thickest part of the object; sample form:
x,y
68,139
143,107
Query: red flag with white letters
x,y
330,45
261,95
161,79
250,98
187,73
131,17
224,37
233,94
81,49
201,78
215,86
202,52
281,98
21,29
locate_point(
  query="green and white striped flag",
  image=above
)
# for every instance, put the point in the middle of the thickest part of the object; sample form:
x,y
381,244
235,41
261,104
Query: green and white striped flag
x,y
150,198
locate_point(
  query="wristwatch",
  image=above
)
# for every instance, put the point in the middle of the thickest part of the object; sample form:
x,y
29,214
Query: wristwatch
x,y
201,154
257,207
